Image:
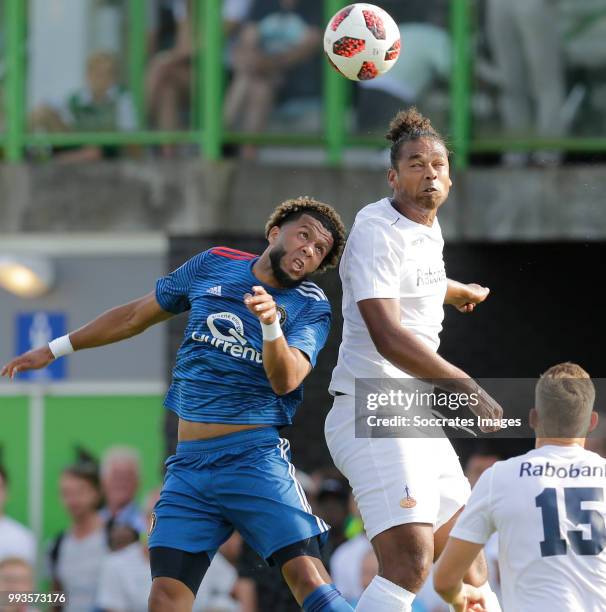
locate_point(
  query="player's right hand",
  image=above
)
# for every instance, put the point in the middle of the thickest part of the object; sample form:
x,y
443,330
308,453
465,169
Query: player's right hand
x,y
487,408
470,599
32,360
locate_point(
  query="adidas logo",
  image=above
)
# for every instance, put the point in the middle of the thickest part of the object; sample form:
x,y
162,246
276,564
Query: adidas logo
x,y
214,290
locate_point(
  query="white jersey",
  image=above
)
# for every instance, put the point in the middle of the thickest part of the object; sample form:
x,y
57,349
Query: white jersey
x,y
549,509
388,256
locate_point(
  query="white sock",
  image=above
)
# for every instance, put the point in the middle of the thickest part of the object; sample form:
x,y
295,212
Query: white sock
x,y
385,596
492,601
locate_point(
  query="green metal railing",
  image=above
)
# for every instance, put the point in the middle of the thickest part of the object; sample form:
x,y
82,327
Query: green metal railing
x,y
208,130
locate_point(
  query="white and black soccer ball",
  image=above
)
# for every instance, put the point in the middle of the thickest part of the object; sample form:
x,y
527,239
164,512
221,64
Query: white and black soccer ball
x,y
362,41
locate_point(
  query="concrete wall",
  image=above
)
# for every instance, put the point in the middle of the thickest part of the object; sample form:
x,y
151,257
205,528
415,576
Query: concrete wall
x,y
191,197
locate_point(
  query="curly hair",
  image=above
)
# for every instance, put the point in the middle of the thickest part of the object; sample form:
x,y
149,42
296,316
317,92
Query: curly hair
x,y
292,209
409,125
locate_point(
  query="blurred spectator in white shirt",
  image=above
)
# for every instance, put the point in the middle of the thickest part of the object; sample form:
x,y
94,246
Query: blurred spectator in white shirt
x,y
15,539
77,554
346,567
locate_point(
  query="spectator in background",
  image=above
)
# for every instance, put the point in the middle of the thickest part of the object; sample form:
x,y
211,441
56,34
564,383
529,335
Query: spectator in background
x,y
170,76
425,61
168,83
346,567
15,539
16,576
282,35
120,477
77,554
102,105
527,50
125,581
121,534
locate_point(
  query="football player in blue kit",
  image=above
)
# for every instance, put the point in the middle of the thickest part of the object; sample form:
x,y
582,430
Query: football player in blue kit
x,y
255,328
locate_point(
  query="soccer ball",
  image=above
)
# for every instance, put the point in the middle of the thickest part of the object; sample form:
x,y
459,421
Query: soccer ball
x,y
362,41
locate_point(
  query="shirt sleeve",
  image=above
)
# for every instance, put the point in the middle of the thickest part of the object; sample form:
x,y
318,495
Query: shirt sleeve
x,y
310,333
373,261
110,595
476,523
172,291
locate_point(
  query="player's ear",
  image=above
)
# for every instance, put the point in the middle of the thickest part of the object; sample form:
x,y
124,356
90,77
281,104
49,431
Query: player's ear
x,y
533,418
392,178
274,232
593,422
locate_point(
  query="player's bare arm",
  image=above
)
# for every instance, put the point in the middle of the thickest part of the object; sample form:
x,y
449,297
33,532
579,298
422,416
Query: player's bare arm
x,y
452,565
112,326
465,297
286,367
404,350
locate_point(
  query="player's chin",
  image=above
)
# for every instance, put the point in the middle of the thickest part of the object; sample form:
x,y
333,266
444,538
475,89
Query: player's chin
x,y
431,199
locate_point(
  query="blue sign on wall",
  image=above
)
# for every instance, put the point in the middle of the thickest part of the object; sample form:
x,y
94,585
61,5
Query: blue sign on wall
x,y
35,329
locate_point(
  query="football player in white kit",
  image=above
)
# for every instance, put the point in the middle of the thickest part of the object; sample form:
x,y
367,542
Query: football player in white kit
x,y
547,506
409,491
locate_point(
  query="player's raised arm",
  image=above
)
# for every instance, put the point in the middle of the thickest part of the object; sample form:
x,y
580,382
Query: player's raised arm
x,y
404,350
285,366
112,326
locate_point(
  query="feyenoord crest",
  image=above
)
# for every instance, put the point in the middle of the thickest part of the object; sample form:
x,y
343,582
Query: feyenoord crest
x,y
152,524
281,314
408,501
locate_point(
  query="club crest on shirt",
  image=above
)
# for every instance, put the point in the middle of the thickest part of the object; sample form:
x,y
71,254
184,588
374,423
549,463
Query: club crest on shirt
x,y
152,523
408,501
282,316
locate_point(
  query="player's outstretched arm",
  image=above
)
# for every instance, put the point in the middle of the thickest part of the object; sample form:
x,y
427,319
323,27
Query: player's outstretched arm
x,y
465,297
112,326
452,565
404,350
285,366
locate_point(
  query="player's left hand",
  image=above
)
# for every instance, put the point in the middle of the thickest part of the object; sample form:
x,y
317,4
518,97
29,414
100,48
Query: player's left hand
x,y
262,305
474,294
469,599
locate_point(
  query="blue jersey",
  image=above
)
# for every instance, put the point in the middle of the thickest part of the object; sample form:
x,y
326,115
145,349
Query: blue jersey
x,y
219,375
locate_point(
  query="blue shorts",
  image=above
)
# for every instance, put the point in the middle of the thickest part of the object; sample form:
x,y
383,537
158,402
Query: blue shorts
x,y
243,481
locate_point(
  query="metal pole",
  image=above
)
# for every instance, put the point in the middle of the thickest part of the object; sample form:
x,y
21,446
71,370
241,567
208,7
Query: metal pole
x,y
35,461
211,27
335,98
461,81
137,56
15,78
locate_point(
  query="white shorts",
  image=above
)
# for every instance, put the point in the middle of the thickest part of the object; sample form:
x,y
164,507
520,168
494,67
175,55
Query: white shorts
x,y
395,480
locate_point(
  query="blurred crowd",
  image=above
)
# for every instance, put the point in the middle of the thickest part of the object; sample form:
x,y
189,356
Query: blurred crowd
x,y
539,69
100,559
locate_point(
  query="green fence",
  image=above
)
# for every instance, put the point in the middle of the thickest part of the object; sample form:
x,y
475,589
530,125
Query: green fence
x,y
210,134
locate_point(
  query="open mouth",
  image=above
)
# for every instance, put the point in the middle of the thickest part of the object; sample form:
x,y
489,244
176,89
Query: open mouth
x,y
430,190
298,265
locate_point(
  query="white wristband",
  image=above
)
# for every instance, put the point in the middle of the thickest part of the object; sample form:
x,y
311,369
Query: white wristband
x,y
272,331
60,347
